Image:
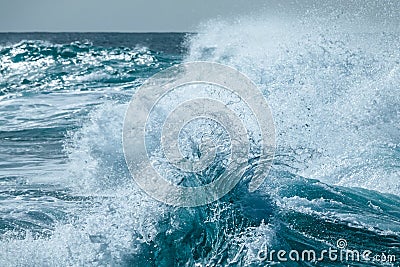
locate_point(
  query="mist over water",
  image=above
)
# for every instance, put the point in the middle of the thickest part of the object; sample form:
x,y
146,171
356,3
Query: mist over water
x,y
68,198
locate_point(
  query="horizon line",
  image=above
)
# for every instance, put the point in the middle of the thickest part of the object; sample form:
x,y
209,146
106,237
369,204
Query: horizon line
x,y
122,32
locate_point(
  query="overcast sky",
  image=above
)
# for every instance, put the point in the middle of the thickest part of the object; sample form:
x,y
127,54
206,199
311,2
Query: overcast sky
x,y
142,15
116,15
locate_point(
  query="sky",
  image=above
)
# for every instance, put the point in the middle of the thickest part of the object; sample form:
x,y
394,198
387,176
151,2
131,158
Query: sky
x,y
161,15
117,15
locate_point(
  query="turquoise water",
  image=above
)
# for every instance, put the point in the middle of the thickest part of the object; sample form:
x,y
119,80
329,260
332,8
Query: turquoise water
x,y
67,198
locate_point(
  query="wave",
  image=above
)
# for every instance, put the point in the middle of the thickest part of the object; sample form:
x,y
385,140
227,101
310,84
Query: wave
x,y
334,96
31,66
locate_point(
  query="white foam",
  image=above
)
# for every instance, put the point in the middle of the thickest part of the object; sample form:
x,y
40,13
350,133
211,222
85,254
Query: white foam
x,y
333,92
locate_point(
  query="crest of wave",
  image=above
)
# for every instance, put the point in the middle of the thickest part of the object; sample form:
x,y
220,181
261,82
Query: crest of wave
x,y
332,86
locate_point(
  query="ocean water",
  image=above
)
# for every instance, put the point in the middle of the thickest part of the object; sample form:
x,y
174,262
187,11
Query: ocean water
x,y
66,195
